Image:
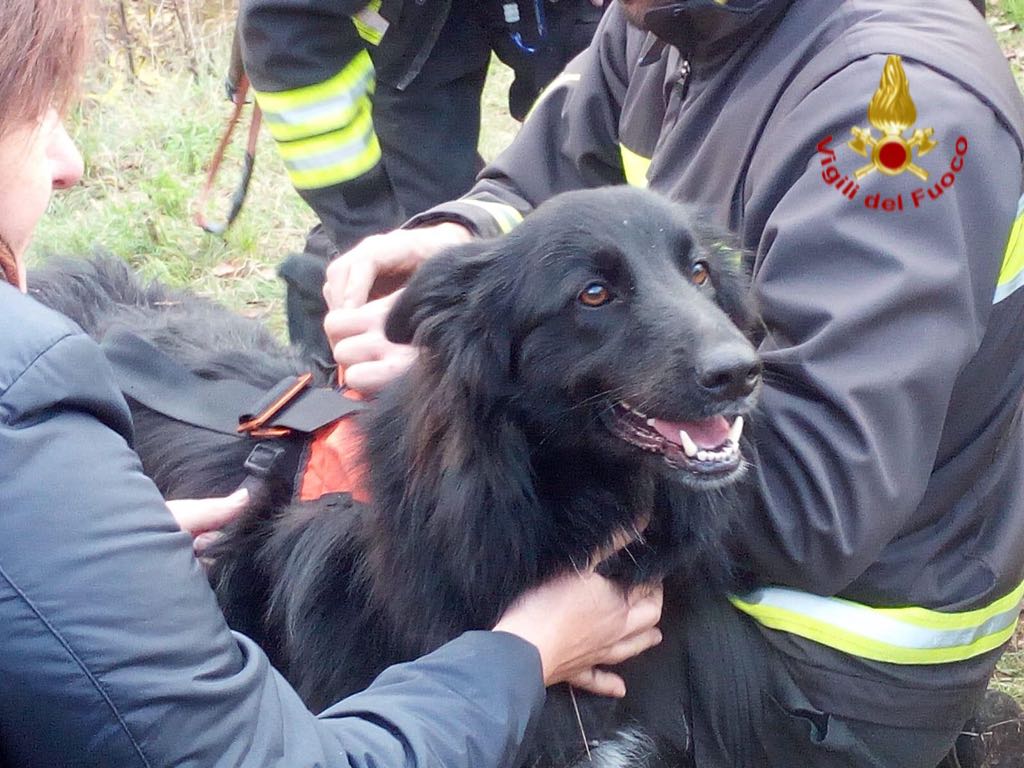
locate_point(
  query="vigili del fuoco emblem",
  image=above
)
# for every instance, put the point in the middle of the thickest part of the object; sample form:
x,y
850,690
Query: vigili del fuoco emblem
x,y
892,112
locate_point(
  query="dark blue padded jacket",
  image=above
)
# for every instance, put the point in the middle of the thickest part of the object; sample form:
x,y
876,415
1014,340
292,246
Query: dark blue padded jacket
x,y
112,648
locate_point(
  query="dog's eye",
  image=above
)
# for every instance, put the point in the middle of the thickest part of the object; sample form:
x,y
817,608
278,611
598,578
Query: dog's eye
x,y
595,295
699,273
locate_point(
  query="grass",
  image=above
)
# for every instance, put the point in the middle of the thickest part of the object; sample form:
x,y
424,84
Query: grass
x,y
1014,9
147,137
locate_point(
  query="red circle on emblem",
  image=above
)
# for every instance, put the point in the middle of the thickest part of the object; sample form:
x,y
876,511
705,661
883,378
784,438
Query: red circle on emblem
x,y
892,155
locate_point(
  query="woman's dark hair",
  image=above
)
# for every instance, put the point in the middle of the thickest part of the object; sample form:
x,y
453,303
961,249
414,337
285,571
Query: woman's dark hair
x,y
42,49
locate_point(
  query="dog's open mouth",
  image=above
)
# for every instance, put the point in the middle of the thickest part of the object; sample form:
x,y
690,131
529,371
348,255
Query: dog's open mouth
x,y
704,447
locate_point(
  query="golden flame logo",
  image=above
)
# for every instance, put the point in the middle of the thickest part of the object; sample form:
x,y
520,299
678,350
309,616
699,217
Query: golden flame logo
x,y
892,111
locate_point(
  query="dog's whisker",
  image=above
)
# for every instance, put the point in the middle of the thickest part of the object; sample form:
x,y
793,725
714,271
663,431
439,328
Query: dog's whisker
x,y
638,537
579,721
598,396
641,404
626,550
575,567
607,393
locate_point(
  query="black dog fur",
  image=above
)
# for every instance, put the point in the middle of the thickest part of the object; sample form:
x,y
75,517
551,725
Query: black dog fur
x,y
496,462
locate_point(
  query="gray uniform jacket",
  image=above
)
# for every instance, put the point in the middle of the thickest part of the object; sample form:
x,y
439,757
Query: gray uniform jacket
x,y
890,439
112,649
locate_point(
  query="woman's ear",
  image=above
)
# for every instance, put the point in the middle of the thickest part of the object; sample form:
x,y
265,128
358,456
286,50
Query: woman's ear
x,y
442,284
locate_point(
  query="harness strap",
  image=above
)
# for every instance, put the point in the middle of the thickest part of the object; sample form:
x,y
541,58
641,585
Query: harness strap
x,y
156,380
153,378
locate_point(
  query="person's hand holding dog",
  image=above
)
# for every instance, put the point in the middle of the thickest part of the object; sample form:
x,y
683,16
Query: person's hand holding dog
x,y
579,622
202,519
360,290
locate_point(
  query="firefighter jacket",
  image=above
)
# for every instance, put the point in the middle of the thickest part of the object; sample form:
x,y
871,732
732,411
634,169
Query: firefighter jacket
x,y
309,64
868,154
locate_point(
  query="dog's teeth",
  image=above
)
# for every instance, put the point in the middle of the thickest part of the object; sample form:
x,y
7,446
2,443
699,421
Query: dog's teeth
x,y
736,430
689,447
650,422
703,455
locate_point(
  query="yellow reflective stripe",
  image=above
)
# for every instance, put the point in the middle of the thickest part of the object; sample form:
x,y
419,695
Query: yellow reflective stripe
x,y
909,635
335,157
333,117
505,216
351,73
370,25
922,617
1011,275
634,166
317,108
337,172
356,132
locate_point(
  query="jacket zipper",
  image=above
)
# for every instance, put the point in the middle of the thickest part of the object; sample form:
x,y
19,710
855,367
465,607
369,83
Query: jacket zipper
x,y
682,83
676,97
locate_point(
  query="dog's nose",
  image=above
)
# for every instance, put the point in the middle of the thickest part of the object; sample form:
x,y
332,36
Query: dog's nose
x,y
730,372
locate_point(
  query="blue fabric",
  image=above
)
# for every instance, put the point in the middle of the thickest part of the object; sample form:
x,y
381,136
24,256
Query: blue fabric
x,y
112,648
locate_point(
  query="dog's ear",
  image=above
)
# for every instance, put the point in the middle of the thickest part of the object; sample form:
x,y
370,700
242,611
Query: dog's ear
x,y
441,285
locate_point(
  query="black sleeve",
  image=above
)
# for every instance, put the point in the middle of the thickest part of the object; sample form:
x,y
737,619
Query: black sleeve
x,y
871,317
113,650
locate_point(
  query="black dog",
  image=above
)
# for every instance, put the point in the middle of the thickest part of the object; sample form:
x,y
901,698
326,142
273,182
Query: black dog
x,y
578,374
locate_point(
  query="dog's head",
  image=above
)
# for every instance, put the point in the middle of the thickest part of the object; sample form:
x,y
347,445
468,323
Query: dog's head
x,y
609,321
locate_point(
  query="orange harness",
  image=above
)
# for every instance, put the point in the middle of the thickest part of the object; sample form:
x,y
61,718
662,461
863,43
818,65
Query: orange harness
x,y
333,459
333,463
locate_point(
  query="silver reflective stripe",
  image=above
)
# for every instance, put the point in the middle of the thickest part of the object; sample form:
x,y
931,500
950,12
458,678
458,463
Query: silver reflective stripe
x,y
370,24
342,107
340,154
908,635
874,623
1007,288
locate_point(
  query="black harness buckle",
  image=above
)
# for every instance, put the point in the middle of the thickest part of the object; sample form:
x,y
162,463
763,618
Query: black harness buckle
x,y
262,459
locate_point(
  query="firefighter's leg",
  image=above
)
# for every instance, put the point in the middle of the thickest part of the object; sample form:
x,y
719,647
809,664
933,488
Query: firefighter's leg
x,y
744,709
304,275
430,130
428,134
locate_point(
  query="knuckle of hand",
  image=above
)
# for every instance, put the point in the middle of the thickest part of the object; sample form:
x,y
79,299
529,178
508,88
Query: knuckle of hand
x,y
338,268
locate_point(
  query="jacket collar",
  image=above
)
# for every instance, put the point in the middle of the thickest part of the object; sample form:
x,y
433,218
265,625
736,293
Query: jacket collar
x,y
708,29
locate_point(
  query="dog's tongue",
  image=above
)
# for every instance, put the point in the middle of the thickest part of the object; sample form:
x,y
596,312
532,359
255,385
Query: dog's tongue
x,y
708,433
